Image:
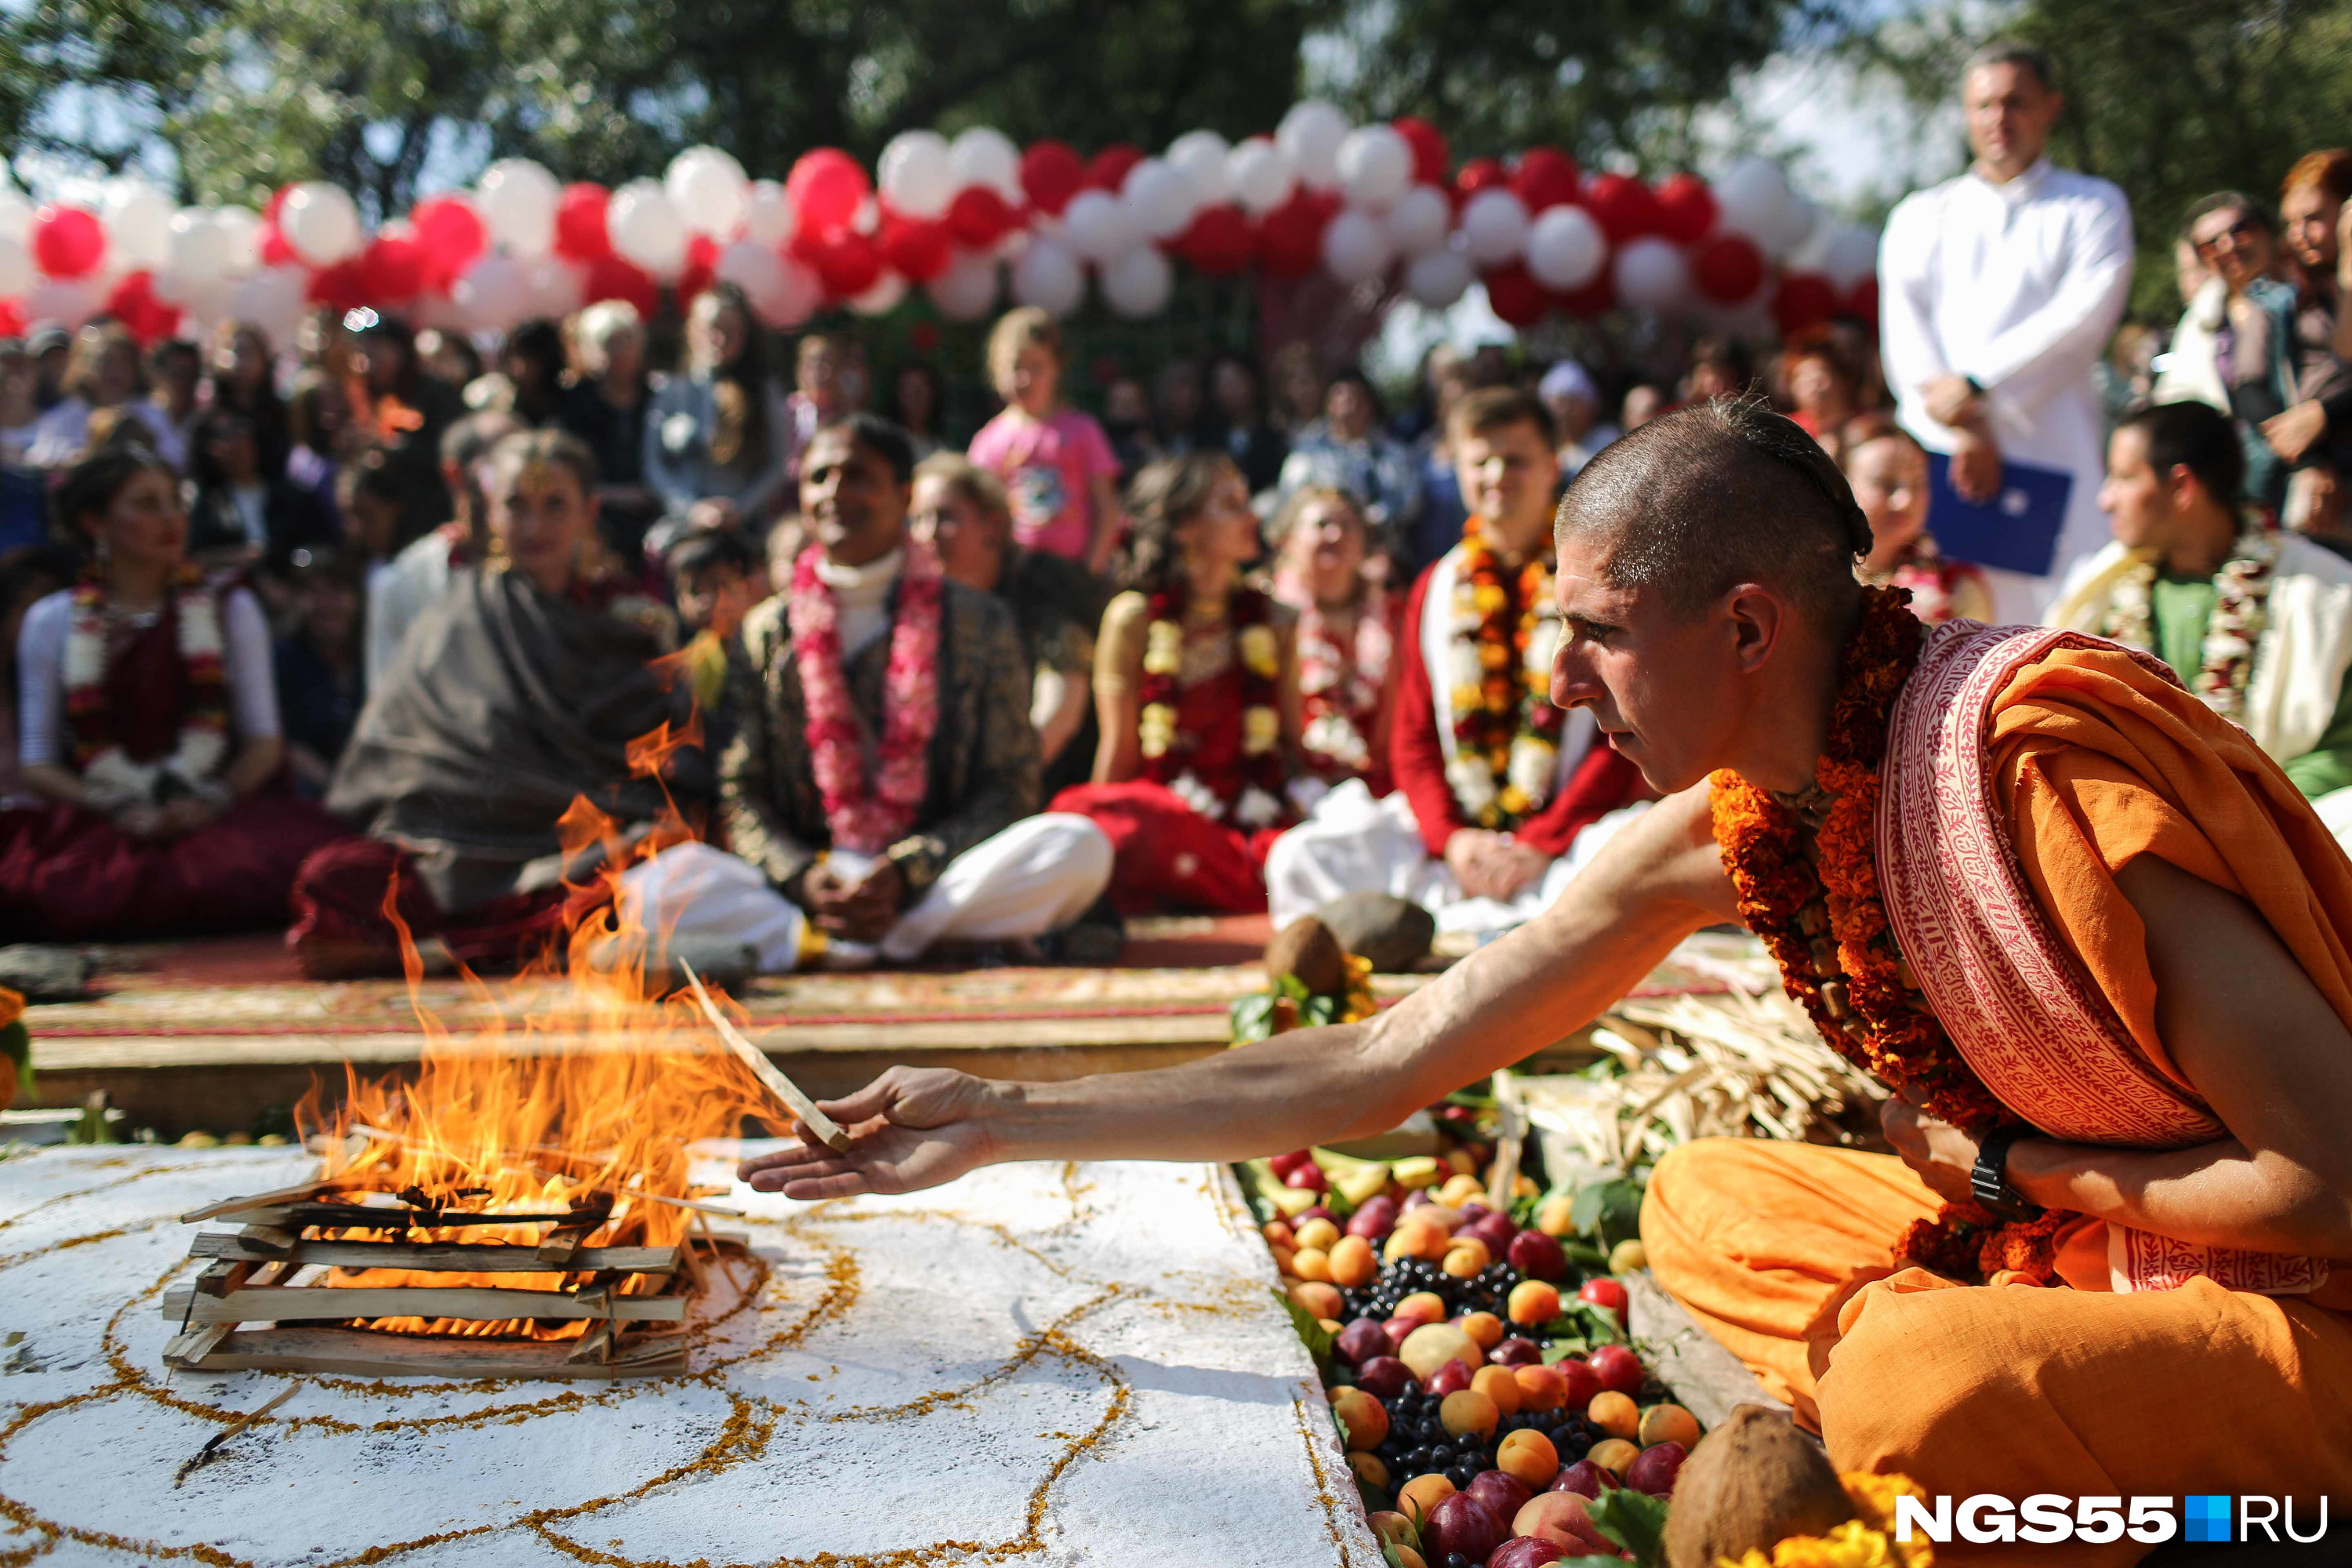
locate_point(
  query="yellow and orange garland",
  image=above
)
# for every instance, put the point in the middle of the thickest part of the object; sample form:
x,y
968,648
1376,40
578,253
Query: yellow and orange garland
x,y
1505,730
1866,1541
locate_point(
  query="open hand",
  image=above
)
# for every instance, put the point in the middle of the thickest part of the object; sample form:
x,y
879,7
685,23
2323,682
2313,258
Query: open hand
x,y
909,1128
1939,1154
2291,433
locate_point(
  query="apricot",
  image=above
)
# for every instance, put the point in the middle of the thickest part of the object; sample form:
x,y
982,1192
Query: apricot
x,y
1277,1233
1614,1454
1432,1345
1312,1263
1554,1216
1318,1300
1352,1262
1467,1412
1407,1557
1667,1424
1366,1421
1368,1467
1461,1189
1318,1234
1614,1413
1628,1256
1392,1528
1483,1327
1559,1519
1528,1456
1416,1239
1540,1388
1531,1301
1419,1495
1286,1262
1331,1326
1497,1383
1467,1258
1446,1219
1422,1307
1462,1163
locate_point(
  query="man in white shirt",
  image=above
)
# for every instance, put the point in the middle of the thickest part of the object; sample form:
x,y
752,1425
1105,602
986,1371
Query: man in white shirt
x,y
2000,290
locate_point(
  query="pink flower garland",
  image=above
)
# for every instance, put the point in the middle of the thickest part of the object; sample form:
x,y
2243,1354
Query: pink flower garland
x,y
870,816
1341,697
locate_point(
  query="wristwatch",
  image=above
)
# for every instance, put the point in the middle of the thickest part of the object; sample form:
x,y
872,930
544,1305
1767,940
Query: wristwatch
x,y
1990,1179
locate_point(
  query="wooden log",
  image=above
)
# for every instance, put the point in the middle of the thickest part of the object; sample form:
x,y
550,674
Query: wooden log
x,y
563,1243
222,1276
269,1241
360,1353
443,1257
184,1349
283,1195
484,1303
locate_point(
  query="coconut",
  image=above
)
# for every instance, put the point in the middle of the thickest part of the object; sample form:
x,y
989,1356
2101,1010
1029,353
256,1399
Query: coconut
x,y
1306,949
1754,1480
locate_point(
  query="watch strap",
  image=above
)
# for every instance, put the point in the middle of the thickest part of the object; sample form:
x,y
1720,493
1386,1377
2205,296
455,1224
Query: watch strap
x,y
1989,1180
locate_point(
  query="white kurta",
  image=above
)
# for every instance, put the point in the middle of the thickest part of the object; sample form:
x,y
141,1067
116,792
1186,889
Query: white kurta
x,y
2018,287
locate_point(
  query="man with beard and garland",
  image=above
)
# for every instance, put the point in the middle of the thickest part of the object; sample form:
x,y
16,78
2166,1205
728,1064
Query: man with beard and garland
x,y
1500,798
2256,622
2091,936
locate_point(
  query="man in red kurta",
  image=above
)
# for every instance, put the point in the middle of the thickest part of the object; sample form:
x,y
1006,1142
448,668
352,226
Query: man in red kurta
x,y
1501,798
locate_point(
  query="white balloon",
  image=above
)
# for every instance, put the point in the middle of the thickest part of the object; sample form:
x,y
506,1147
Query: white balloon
x,y
70,302
916,173
1375,166
556,287
1138,283
271,299
1160,201
1355,248
138,225
494,291
1750,197
1652,275
241,228
967,290
1418,222
1048,277
1566,249
319,221
709,188
1799,221
16,270
770,217
1310,135
752,266
1439,279
646,228
1099,225
16,216
199,248
1494,227
204,303
798,295
1851,255
1260,176
1200,156
516,199
883,298
983,156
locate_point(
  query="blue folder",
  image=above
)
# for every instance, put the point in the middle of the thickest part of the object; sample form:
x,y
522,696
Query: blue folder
x,y
2017,530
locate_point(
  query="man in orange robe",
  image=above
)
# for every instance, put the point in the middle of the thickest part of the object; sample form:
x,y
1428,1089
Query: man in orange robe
x,y
2121,941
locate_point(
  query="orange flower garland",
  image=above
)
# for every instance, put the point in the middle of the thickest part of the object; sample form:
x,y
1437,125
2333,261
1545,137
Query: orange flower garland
x,y
1811,893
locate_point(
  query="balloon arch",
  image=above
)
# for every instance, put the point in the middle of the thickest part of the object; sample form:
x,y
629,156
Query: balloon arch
x,y
974,222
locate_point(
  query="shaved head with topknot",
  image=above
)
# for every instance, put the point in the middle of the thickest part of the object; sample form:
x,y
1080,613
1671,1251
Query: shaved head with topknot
x,y
1718,494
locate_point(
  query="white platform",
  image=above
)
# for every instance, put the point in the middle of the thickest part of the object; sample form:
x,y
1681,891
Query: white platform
x,y
1040,1364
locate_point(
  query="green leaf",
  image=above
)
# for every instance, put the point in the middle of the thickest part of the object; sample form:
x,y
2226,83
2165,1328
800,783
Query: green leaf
x,y
1252,1017
1291,987
16,1045
1316,1012
1612,1210
1320,1341
1634,1520
1582,1319
1558,1350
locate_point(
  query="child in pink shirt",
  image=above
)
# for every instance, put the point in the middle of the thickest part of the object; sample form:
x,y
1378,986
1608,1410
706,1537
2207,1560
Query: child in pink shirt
x,y
1055,462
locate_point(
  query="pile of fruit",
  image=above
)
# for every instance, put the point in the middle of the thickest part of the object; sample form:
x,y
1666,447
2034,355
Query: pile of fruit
x,y
1491,1420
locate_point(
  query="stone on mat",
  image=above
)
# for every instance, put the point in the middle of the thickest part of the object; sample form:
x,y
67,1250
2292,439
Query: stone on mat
x,y
1394,932
1306,949
42,972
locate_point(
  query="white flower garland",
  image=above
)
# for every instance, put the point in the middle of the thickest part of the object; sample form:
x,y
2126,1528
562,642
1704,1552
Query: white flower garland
x,y
111,780
2241,615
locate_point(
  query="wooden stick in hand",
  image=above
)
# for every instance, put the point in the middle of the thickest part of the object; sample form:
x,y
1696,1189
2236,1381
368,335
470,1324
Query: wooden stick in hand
x,y
820,1126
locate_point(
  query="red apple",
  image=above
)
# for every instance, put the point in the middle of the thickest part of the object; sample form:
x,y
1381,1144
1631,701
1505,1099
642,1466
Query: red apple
x,y
1619,1368
1502,1492
1606,1293
1537,1255
1525,1552
1583,1383
1516,1353
1283,1164
1656,1470
1451,1378
1383,1378
1464,1524
1583,1478
1362,1340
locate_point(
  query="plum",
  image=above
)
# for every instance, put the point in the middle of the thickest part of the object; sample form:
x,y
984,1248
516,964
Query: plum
x,y
1384,1376
1318,1211
1502,1492
1417,1198
1581,1384
1517,1352
1282,1164
1397,1331
1559,1517
1461,1523
1537,1255
1473,1210
1618,1368
1374,1220
1606,1293
1583,1478
1451,1378
1496,1231
1525,1552
1362,1340
1309,1177
1656,1470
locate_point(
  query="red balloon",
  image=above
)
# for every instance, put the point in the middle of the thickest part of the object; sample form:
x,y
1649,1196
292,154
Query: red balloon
x,y
449,233
12,319
277,200
68,241
272,247
1862,303
1596,298
393,266
611,277
580,222
978,218
1107,170
1727,268
848,262
1515,295
1621,205
1480,175
916,249
1051,173
1429,156
1804,300
1220,241
132,302
1544,177
828,186
343,287
1686,209
701,268
1290,238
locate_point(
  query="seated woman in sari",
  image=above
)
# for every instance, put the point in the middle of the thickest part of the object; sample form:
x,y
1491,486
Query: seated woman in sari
x,y
1197,693
517,691
148,723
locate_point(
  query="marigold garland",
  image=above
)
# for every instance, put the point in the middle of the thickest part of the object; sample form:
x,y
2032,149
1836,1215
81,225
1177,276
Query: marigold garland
x,y
1505,728
1812,894
1866,1541
1249,792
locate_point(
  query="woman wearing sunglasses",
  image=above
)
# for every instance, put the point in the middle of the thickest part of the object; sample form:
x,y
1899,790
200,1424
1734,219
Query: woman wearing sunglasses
x,y
2235,346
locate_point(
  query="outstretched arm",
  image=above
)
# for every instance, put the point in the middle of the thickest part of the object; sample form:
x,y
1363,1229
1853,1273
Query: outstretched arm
x,y
1655,882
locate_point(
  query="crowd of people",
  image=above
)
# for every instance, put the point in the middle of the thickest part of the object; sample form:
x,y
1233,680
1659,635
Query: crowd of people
x,y
339,632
